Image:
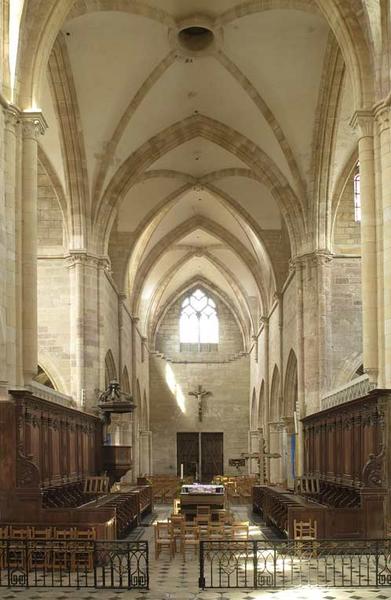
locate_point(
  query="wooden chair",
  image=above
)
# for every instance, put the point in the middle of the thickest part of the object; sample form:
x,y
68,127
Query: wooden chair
x,y
240,531
203,510
62,551
82,557
177,523
305,534
17,555
216,532
189,538
39,555
164,538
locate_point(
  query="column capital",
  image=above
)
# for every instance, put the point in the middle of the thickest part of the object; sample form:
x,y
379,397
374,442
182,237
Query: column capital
x,y
315,257
83,257
33,124
382,115
135,319
11,118
362,122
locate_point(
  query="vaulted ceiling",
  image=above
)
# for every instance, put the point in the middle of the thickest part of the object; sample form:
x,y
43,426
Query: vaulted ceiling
x,y
186,134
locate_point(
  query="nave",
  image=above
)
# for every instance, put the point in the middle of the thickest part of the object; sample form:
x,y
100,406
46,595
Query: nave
x,y
177,579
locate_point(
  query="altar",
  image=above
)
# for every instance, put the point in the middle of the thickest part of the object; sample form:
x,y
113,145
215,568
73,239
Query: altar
x,y
197,494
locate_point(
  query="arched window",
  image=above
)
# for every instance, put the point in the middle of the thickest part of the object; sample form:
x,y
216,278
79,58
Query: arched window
x,y
198,323
357,195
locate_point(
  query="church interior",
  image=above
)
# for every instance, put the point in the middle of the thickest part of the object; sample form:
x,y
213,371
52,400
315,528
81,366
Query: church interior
x,y
195,298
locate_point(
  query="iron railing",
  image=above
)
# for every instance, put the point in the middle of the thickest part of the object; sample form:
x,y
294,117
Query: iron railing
x,y
74,563
262,564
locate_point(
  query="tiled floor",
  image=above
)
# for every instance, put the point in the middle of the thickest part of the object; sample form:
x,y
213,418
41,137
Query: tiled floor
x,y
178,580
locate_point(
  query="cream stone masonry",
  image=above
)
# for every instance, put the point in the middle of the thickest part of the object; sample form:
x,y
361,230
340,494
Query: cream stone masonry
x,y
33,125
167,167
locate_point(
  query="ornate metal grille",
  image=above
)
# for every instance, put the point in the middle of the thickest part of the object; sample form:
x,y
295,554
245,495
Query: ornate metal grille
x,y
261,564
74,563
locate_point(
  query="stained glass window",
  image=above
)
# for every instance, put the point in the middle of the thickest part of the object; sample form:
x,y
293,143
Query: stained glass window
x,y
198,323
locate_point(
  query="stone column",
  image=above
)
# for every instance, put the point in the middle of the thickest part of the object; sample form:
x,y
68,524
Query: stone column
x,y
13,301
33,124
362,122
266,416
300,409
136,413
87,362
145,448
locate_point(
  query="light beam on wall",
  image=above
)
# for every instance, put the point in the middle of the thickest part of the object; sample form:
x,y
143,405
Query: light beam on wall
x,y
15,15
175,389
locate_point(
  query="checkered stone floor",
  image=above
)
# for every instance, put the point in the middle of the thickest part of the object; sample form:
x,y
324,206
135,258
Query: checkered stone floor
x,y
178,579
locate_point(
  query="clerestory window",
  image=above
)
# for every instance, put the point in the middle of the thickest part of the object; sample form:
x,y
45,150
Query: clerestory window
x,y
357,195
198,323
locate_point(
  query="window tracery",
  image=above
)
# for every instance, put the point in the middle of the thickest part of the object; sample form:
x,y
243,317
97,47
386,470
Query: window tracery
x,y
198,322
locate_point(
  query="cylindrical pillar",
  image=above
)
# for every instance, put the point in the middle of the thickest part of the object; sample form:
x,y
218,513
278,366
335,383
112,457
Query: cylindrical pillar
x,y
363,124
13,332
32,125
136,413
266,421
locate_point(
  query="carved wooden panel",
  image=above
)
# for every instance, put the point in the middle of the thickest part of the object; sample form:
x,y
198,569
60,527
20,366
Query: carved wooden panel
x,y
345,444
62,443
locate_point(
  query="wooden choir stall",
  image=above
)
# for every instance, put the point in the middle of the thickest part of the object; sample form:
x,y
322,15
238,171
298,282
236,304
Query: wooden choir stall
x,y
52,472
346,481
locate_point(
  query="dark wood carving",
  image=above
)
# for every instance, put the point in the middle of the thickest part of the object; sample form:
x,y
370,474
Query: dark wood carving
x,y
27,473
345,449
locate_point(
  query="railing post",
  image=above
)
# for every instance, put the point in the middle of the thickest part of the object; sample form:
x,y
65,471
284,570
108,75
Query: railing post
x,y
94,563
201,580
255,563
26,561
274,564
147,563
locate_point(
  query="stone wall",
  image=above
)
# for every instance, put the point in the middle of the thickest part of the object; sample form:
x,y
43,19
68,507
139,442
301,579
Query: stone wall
x,y
347,231
54,321
230,337
172,410
346,319
50,229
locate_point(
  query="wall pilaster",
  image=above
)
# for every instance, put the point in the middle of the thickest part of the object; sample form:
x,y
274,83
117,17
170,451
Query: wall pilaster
x,y
363,123
33,125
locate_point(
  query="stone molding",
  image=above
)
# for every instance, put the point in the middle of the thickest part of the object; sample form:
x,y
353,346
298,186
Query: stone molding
x,y
357,388
83,257
382,116
11,118
33,124
362,123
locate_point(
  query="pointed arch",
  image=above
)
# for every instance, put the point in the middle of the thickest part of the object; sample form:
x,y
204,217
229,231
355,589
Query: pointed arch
x,y
203,282
125,381
110,368
43,378
264,168
275,393
180,231
290,386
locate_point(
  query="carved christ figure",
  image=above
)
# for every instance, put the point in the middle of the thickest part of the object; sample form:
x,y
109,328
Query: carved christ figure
x,y
200,394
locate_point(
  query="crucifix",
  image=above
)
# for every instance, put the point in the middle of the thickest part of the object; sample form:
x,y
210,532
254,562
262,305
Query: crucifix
x,y
200,394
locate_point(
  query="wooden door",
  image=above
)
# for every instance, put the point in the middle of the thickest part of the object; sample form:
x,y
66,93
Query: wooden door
x,y
212,462
188,454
